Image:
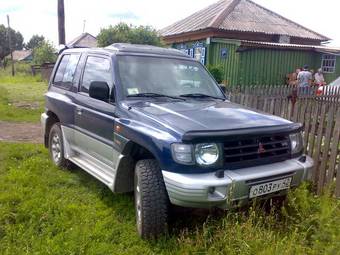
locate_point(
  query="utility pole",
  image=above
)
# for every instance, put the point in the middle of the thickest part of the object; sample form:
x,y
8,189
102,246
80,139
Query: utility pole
x,y
61,22
10,44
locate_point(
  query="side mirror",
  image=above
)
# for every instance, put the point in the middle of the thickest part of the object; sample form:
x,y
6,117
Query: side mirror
x,y
222,87
99,90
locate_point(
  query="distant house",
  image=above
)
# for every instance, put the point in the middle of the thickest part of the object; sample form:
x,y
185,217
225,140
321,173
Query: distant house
x,y
83,40
253,44
21,55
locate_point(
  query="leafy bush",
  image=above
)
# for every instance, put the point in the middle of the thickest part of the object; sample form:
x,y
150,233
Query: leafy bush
x,y
45,52
217,72
23,68
35,41
124,33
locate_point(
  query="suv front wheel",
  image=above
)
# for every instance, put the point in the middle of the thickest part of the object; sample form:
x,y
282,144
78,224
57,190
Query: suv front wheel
x,y
151,199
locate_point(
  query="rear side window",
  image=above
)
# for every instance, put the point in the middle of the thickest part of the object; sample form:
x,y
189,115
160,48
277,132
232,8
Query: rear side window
x,y
66,70
96,69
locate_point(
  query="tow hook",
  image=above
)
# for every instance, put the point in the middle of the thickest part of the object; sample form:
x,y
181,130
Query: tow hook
x,y
219,174
303,159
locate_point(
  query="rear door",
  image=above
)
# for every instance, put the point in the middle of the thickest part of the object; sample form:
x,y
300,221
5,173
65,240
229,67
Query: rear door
x,y
94,119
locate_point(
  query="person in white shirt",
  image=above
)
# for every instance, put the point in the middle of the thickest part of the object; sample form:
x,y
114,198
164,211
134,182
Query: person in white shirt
x,y
319,78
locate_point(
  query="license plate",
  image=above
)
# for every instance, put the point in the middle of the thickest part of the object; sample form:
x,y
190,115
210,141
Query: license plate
x,y
269,187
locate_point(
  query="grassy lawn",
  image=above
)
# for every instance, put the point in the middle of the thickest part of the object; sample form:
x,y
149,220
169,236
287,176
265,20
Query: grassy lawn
x,y
21,98
44,210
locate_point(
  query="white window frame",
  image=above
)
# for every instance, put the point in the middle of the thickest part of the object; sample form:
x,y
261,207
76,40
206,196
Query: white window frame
x,y
328,63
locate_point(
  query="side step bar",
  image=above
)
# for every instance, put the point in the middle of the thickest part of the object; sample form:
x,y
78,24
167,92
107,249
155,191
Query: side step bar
x,y
96,169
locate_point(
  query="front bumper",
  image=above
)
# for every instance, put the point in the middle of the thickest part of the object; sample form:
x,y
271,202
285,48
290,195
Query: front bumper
x,y
206,190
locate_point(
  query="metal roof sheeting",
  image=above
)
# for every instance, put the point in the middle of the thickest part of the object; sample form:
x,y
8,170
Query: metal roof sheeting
x,y
242,16
19,55
317,48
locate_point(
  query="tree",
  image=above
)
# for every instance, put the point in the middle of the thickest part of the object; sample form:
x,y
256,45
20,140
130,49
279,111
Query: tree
x,y
35,41
17,41
125,33
45,52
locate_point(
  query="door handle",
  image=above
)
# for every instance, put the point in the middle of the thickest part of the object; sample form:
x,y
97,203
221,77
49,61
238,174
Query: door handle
x,y
79,111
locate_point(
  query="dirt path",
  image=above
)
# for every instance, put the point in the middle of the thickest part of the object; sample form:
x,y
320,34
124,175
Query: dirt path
x,y
20,132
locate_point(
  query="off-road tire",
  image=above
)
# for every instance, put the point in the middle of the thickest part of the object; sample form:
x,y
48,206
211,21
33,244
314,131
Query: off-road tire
x,y
151,199
55,131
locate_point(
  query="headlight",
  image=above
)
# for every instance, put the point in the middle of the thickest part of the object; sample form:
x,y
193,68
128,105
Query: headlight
x,y
296,142
182,153
206,153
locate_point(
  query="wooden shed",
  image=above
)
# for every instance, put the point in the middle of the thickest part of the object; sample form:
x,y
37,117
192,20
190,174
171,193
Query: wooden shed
x,y
253,44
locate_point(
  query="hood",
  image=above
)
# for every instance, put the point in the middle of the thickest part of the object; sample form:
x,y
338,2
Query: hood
x,y
203,115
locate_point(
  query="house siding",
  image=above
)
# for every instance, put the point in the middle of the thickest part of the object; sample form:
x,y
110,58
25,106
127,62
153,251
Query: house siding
x,y
270,66
258,66
230,63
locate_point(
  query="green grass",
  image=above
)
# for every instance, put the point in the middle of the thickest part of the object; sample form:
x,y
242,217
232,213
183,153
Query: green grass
x,y
21,98
44,210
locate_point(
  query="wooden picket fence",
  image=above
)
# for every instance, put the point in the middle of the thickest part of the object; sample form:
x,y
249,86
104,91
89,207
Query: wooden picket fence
x,y
320,115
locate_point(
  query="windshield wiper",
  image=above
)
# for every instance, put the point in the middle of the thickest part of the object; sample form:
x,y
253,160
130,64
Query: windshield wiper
x,y
154,95
199,95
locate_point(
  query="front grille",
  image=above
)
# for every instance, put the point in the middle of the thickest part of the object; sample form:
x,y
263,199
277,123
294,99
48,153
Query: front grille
x,y
250,151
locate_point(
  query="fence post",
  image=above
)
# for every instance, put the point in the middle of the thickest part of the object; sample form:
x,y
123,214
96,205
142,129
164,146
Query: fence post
x,y
334,150
315,123
293,98
325,150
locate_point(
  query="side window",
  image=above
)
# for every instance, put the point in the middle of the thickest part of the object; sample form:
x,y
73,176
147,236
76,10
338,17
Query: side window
x,y
96,69
58,78
66,70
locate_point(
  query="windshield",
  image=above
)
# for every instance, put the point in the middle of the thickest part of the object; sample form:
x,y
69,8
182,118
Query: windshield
x,y
165,76
336,82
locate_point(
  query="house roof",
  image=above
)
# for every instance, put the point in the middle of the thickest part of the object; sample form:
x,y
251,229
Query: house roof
x,y
318,48
240,16
83,40
19,55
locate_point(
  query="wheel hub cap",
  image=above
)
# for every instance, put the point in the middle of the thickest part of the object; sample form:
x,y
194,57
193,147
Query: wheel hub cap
x,y
56,148
138,206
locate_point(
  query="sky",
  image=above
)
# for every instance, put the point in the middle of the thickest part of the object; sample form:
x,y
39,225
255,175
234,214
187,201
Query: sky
x,y
40,16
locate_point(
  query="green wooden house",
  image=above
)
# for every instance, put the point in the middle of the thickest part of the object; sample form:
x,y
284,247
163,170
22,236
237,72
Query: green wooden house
x,y
253,44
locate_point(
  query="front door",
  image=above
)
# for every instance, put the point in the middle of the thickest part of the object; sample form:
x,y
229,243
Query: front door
x,y
94,119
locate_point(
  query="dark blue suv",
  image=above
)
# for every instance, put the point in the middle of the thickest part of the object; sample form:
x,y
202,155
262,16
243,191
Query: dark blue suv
x,y
153,121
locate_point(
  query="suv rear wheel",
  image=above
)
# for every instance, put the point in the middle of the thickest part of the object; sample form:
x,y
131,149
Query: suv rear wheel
x,y
151,199
56,146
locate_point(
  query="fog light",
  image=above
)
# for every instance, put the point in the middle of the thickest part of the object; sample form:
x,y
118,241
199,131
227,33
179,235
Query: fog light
x,y
211,190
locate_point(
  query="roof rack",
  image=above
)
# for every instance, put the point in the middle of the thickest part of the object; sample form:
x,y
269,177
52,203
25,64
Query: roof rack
x,y
63,47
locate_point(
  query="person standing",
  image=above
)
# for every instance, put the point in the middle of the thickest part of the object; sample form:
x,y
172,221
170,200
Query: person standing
x,y
319,78
304,77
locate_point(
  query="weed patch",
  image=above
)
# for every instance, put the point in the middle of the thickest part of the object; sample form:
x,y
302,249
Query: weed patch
x,y
45,210
21,98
